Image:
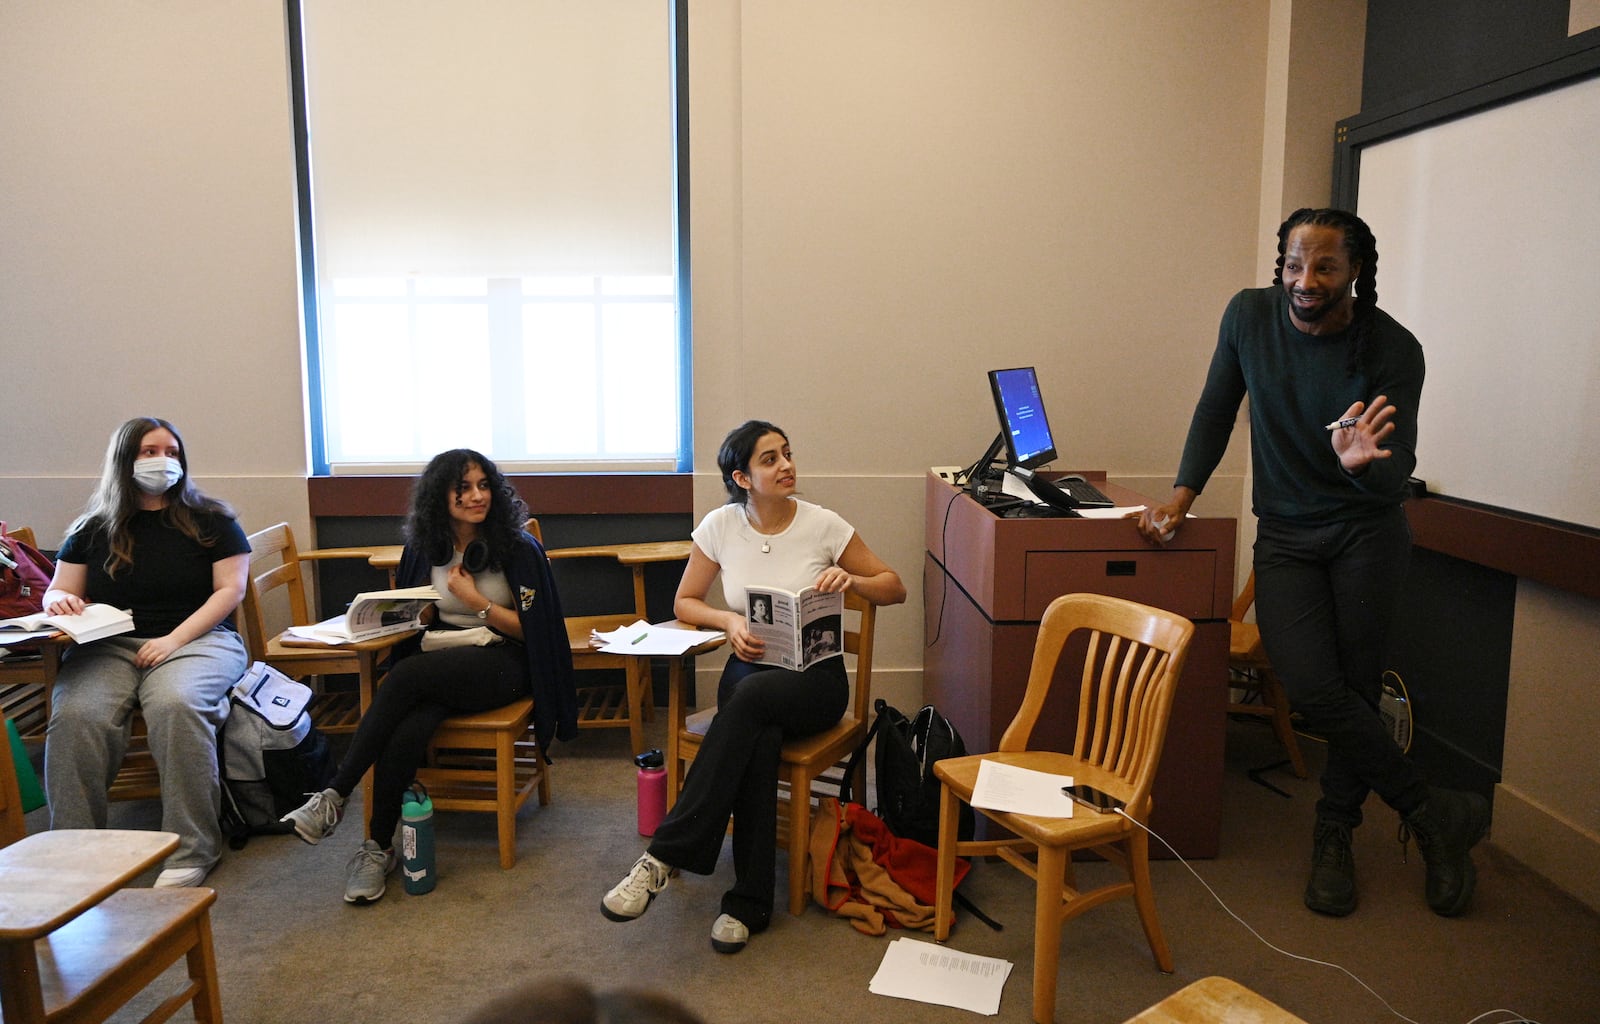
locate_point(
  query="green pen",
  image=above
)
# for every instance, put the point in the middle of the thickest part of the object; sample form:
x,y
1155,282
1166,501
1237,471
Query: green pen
x,y
636,639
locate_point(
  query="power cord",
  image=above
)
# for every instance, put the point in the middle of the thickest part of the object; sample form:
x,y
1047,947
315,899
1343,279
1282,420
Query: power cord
x,y
944,589
1515,1018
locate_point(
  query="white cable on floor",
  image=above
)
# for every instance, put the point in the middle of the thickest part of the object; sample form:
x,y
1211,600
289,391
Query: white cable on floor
x,y
1516,1018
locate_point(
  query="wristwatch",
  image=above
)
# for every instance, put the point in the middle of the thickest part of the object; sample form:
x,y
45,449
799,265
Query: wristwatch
x,y
483,613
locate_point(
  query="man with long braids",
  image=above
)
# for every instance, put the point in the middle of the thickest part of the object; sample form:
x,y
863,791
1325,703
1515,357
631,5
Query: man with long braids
x,y
1334,385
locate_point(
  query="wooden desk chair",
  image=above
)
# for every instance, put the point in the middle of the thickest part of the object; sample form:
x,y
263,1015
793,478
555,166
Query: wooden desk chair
x,y
606,705
25,681
25,687
1130,673
13,820
808,759
276,566
74,945
487,762
1249,671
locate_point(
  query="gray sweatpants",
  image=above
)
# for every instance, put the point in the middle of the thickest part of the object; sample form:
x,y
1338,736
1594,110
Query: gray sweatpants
x,y
184,700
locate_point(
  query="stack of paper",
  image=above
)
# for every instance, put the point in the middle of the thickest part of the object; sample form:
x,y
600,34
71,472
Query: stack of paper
x,y
930,973
643,639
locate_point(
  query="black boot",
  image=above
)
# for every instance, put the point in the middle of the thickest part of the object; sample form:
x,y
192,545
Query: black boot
x,y
1331,889
1447,827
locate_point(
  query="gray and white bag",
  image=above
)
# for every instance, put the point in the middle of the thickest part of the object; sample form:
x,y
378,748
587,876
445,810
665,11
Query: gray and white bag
x,y
270,754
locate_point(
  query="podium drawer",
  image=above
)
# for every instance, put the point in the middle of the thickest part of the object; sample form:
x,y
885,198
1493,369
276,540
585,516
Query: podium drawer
x,y
1179,581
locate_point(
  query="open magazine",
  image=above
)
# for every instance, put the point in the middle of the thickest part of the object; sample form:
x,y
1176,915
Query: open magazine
x,y
371,615
798,629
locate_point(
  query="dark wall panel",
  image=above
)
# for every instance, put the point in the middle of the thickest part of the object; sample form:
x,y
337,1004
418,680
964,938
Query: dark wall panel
x,y
1419,50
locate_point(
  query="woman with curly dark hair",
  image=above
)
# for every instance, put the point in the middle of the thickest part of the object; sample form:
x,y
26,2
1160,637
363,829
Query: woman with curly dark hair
x,y
495,635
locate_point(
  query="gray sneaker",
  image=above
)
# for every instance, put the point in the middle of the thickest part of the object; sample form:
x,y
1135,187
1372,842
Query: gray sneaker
x,y
368,869
316,819
631,896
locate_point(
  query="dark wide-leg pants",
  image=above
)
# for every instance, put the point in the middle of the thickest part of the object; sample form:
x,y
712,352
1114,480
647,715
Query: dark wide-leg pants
x,y
736,774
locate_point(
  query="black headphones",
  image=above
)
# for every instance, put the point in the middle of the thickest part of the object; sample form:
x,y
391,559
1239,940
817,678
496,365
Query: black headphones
x,y
475,558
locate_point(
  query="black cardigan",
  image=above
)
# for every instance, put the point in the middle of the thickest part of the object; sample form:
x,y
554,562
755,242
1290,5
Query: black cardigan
x,y
544,635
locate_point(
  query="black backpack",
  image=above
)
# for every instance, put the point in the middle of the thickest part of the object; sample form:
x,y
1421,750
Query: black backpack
x,y
908,793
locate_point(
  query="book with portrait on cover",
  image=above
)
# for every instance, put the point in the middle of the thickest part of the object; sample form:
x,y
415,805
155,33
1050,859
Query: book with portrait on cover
x,y
797,629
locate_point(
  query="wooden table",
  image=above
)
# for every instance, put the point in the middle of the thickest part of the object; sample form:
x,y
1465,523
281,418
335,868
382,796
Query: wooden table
x,y
678,682
1215,1001
609,706
602,707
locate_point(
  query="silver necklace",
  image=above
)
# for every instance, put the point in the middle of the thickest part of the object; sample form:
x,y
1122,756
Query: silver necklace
x,y
766,542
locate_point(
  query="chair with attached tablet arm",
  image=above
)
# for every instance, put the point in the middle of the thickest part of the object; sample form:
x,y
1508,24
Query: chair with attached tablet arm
x,y
74,945
25,685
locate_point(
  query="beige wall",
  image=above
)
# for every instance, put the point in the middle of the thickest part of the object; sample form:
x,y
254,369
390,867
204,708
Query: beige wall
x,y
1547,806
889,199
149,256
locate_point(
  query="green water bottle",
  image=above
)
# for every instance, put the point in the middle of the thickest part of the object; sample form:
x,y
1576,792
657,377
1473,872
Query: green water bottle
x,y
416,840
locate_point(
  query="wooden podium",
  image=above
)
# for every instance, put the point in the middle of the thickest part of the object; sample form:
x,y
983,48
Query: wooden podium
x,y
986,583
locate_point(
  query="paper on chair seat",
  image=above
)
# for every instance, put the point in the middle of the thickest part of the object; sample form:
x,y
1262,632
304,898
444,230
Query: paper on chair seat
x,y
1005,787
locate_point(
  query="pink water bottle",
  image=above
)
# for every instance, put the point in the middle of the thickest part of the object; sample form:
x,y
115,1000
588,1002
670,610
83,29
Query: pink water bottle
x,y
652,790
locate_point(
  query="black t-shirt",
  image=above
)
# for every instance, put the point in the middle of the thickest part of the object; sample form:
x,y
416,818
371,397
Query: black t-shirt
x,y
170,576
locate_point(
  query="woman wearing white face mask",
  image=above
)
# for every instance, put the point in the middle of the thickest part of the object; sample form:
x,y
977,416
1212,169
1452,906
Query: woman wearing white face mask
x,y
150,542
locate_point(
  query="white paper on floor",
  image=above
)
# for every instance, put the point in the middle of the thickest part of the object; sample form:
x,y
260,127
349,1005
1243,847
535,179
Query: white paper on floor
x,y
931,973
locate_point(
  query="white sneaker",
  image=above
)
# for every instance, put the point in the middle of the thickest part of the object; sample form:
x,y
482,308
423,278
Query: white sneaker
x,y
631,896
316,819
728,934
181,878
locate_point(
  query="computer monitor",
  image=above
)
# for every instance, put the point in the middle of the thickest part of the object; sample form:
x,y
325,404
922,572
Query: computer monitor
x,y
1023,424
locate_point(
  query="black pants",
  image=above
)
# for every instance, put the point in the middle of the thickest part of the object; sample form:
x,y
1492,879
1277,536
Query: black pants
x,y
1325,596
419,693
736,774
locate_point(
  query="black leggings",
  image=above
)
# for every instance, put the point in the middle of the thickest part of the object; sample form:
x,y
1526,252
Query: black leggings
x,y
419,693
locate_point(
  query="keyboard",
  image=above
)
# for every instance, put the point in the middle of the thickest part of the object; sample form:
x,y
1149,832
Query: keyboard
x,y
1064,493
1084,493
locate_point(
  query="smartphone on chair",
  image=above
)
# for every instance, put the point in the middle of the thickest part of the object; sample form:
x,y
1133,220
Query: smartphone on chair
x,y
1096,800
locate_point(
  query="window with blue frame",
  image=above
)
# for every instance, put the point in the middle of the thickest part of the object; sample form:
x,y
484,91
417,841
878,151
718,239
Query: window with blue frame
x,y
493,254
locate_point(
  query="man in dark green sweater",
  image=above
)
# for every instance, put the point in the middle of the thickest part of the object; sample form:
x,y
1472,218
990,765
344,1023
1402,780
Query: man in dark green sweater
x,y
1332,540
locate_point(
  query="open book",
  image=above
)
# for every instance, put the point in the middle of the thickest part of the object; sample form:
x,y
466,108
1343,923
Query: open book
x,y
798,629
379,613
95,622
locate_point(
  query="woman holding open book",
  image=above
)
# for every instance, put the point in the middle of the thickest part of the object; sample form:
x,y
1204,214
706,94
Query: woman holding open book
x,y
150,542
495,635
768,539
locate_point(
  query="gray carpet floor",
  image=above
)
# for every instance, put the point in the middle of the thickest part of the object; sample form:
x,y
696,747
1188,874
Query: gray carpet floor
x,y
291,950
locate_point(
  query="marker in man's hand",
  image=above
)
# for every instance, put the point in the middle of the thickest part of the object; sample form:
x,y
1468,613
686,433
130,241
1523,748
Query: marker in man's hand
x,y
1341,424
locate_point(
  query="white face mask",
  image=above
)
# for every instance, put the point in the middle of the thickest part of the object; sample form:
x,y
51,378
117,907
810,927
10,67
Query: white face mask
x,y
157,474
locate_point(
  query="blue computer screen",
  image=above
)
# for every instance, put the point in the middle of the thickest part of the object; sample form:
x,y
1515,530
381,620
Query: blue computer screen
x,y
1023,422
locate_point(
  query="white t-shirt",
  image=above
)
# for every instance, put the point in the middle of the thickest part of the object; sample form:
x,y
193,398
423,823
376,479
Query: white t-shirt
x,y
813,541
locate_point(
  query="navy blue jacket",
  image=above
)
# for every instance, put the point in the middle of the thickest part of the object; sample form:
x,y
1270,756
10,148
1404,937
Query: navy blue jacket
x,y
544,634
